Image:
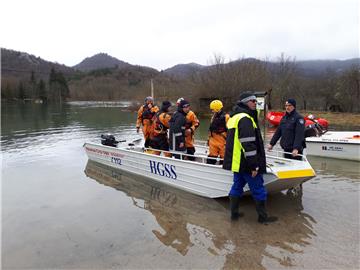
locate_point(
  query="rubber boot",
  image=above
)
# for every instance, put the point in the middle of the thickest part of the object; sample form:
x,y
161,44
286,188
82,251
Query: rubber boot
x,y
147,142
263,217
211,161
234,207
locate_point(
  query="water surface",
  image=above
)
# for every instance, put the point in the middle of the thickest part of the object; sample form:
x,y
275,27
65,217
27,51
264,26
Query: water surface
x,y
61,211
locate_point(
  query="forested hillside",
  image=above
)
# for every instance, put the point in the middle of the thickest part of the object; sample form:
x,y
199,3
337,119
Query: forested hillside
x,y
100,61
317,85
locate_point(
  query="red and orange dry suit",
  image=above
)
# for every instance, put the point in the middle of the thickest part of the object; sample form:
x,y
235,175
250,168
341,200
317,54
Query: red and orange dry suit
x,y
145,116
217,134
159,133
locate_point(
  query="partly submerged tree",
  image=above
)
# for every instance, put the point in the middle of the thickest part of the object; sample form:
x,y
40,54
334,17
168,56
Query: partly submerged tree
x,y
41,90
58,87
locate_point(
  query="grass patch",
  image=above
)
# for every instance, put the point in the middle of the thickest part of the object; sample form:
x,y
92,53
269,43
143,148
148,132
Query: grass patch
x,y
337,119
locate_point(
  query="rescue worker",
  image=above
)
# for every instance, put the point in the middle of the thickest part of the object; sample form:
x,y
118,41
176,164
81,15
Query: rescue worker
x,y
159,132
192,123
291,131
217,132
145,115
177,128
245,156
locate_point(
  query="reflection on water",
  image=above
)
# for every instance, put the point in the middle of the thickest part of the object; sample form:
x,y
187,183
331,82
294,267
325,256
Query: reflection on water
x,y
339,169
30,126
55,217
186,220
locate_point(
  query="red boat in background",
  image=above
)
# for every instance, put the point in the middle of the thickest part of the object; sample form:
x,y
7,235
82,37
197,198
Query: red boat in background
x,y
274,119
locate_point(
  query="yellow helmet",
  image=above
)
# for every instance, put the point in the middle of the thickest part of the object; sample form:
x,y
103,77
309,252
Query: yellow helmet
x,y
216,105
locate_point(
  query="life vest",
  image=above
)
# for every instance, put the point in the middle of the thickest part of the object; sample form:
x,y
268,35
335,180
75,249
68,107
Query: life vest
x,y
159,127
238,149
218,123
147,113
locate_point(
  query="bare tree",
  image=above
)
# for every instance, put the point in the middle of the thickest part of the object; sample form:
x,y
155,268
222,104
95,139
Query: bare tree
x,y
349,90
284,76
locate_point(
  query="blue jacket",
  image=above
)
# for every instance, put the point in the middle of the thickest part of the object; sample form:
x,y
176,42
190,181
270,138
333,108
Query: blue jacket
x,y
177,130
291,131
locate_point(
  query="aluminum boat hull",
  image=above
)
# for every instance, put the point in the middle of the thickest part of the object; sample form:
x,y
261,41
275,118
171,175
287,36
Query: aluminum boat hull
x,y
196,177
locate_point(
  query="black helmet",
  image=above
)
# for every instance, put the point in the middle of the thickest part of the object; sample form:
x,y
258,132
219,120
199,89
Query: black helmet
x,y
165,105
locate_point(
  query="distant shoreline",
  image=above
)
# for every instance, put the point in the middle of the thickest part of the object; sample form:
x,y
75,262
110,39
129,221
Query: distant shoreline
x,y
351,120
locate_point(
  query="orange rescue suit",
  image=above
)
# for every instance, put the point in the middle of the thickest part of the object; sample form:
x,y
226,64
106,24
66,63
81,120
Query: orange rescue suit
x,y
160,124
145,116
192,123
159,133
217,134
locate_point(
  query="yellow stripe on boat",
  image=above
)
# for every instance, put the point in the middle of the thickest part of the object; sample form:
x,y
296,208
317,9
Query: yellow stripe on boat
x,y
296,174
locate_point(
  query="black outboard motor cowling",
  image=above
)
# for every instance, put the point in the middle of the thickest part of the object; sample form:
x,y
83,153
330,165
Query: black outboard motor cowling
x,y
109,140
310,131
314,130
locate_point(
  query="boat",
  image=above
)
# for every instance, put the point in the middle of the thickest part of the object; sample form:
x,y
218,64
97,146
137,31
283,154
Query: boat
x,y
274,119
335,144
311,119
197,176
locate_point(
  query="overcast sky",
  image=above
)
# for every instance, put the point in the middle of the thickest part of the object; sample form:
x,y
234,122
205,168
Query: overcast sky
x,y
163,33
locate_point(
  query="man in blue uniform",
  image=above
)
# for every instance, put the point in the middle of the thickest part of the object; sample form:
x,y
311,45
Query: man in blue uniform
x,y
177,128
245,156
291,131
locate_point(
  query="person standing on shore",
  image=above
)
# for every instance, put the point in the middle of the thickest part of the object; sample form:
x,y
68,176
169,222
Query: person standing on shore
x,y
291,131
245,157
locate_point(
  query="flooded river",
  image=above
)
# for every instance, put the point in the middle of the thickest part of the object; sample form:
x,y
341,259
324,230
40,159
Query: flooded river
x,y
61,211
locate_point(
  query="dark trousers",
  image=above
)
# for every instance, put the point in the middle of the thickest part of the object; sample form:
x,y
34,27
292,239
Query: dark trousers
x,y
159,142
190,151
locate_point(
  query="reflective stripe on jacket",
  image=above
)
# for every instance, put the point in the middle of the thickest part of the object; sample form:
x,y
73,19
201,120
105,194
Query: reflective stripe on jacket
x,y
238,149
177,130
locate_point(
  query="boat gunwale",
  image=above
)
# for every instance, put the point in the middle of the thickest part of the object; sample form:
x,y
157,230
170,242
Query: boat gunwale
x,y
181,161
198,166
332,142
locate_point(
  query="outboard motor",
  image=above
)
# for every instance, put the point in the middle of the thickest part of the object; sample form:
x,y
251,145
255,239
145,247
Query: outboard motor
x,y
314,130
311,131
109,140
